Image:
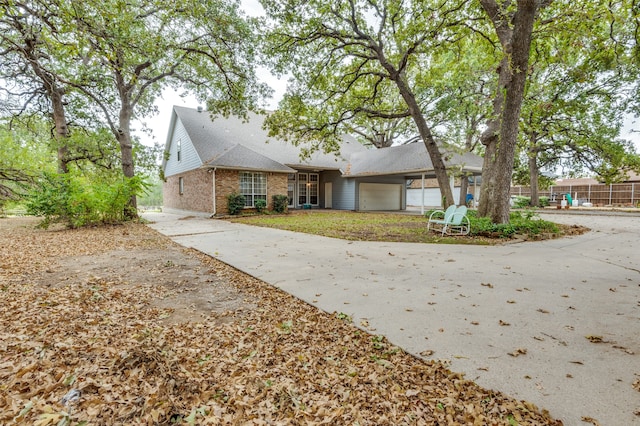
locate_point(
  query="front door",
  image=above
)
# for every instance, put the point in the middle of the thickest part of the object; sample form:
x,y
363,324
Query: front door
x,y
328,195
308,189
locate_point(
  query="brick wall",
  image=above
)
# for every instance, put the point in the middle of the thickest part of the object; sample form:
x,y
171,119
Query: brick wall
x,y
227,182
276,185
197,195
198,190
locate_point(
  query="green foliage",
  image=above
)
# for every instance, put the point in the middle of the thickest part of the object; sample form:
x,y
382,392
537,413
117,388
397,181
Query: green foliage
x,y
526,223
77,200
153,194
544,201
521,202
235,203
23,155
260,205
280,203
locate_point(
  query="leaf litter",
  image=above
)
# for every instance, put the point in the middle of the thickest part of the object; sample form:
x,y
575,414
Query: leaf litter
x,y
128,340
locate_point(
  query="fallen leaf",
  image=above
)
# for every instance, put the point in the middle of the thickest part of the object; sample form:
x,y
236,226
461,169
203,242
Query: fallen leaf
x,y
503,323
594,339
487,285
135,364
590,420
518,352
628,351
427,352
543,311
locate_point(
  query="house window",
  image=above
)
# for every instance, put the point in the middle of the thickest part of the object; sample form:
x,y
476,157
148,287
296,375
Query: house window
x,y
254,187
181,185
179,149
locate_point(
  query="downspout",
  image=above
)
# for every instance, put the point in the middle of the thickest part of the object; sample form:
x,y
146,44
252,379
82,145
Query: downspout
x,y
213,180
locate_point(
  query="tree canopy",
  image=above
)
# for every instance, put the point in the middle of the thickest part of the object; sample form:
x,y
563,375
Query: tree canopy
x,y
117,57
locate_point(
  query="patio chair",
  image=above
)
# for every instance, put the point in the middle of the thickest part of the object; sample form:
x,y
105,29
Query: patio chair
x,y
454,221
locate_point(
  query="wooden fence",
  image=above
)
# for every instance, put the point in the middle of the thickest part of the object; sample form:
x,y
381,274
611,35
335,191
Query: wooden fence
x,y
617,194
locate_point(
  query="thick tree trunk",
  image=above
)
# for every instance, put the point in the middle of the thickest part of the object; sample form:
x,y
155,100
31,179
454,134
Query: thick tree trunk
x,y
501,142
61,129
123,135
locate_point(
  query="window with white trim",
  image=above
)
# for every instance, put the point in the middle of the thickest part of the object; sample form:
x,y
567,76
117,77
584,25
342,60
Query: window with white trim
x,y
179,150
254,187
181,185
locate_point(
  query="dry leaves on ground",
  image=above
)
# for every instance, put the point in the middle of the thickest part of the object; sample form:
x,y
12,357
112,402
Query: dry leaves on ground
x,y
136,359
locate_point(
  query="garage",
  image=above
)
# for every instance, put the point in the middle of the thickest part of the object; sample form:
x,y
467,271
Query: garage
x,y
432,197
380,196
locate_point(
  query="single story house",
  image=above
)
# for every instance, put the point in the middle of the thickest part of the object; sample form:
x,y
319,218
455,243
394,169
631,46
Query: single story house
x,y
206,160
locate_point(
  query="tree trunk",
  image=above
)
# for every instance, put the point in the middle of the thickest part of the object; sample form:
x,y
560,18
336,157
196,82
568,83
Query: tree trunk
x,y
123,135
534,173
429,142
464,188
61,129
55,94
501,136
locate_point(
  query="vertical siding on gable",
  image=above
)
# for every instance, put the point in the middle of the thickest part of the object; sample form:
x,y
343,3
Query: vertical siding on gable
x,y
189,157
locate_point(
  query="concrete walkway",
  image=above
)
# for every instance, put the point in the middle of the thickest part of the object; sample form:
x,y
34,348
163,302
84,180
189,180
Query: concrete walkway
x,y
519,318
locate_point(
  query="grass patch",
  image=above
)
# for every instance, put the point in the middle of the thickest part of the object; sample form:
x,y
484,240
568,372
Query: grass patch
x,y
390,227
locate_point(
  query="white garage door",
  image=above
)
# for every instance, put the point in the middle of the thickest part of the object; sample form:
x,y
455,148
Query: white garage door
x,y
432,197
380,196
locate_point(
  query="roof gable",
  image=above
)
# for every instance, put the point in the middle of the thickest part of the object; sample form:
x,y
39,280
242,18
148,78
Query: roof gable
x,y
240,157
215,139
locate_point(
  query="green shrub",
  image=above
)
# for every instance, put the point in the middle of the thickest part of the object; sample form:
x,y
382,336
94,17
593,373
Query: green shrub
x,y
260,205
526,222
280,203
544,201
235,203
77,200
521,202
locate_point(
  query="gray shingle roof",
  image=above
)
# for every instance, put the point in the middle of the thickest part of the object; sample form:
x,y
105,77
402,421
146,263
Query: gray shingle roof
x,y
407,159
240,157
233,142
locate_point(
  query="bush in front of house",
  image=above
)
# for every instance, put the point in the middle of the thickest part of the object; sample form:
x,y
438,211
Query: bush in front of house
x,y
260,205
76,199
235,203
280,203
521,202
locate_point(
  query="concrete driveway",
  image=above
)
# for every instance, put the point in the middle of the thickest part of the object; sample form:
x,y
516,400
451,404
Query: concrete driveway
x,y
556,323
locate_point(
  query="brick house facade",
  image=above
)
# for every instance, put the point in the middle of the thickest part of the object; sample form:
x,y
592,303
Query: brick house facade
x,y
196,191
207,158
